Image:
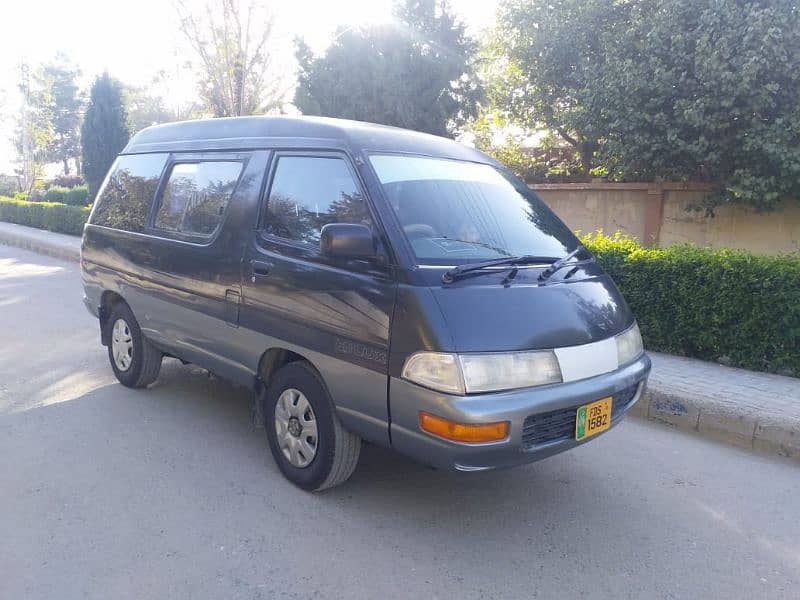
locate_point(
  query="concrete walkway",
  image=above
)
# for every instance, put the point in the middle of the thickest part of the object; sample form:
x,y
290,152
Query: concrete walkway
x,y
58,245
744,408
748,409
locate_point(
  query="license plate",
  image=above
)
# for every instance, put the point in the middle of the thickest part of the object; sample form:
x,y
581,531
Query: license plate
x,y
593,418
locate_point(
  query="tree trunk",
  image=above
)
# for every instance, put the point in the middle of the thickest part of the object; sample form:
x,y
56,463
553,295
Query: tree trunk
x,y
587,152
66,166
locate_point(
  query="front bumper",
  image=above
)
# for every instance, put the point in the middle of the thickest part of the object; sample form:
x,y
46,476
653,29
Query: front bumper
x,y
408,399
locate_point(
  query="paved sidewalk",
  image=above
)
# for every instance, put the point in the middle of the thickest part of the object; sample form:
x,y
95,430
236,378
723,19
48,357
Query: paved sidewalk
x,y
58,245
745,408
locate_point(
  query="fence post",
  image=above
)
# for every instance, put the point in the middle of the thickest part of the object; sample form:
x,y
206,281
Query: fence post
x,y
654,213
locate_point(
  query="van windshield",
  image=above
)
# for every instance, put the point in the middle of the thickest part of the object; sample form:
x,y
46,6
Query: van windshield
x,y
453,212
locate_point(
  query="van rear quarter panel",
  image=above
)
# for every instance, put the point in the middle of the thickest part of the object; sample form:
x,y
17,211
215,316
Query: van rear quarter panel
x,y
177,291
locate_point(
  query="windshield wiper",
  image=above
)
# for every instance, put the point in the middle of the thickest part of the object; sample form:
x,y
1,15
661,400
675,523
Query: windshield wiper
x,y
461,270
563,262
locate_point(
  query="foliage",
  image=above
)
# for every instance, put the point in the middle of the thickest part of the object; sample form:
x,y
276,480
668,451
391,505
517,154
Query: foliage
x,y
66,106
76,196
708,89
34,127
417,74
239,69
710,304
44,215
105,130
69,181
679,89
546,58
547,162
8,186
145,109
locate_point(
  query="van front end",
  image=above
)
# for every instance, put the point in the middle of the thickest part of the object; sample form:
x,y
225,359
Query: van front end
x,y
537,422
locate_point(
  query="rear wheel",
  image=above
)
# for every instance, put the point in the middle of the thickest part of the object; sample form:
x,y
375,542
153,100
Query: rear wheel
x,y
308,442
135,361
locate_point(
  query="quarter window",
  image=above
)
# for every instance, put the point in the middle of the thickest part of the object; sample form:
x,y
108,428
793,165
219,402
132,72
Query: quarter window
x,y
125,200
196,197
307,193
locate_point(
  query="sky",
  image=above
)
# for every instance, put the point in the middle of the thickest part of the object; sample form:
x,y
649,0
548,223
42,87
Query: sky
x,y
133,40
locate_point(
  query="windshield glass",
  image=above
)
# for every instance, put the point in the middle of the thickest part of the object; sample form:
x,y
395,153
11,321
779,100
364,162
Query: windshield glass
x,y
454,212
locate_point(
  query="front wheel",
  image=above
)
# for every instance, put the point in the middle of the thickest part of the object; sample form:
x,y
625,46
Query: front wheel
x,y
308,442
135,361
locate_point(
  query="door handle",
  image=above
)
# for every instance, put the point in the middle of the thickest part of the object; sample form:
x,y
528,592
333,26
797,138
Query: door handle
x,y
260,268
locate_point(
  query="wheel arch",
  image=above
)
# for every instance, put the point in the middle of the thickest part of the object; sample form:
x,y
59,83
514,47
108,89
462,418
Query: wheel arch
x,y
108,300
275,358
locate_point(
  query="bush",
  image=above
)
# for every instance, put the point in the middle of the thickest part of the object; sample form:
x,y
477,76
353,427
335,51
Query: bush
x,y
723,305
69,181
53,216
56,194
78,196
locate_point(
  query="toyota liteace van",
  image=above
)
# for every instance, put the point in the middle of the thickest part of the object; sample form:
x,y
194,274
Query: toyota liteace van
x,y
367,283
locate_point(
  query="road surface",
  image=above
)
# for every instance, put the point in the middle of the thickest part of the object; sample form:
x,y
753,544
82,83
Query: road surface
x,y
169,492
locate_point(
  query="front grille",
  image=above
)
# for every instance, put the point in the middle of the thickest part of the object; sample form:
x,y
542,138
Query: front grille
x,y
557,425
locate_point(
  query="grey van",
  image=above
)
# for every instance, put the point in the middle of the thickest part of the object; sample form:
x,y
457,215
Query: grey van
x,y
367,283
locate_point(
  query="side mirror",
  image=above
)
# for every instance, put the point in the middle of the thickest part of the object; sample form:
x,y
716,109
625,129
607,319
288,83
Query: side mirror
x,y
347,240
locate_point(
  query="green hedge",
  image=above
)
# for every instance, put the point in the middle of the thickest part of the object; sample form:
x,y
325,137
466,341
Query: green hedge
x,y
54,216
722,305
76,196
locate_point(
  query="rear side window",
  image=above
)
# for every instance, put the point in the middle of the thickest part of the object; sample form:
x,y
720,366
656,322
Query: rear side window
x,y
125,200
307,193
196,197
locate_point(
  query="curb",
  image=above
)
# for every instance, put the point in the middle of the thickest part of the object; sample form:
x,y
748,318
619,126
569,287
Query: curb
x,y
35,243
769,430
724,422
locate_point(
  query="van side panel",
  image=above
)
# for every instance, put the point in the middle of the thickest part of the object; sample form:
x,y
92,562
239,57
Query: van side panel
x,y
184,295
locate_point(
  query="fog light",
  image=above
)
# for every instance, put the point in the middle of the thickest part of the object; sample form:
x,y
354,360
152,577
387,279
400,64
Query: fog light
x,y
463,432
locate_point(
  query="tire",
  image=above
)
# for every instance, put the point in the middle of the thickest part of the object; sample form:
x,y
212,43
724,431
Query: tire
x,y
142,362
335,450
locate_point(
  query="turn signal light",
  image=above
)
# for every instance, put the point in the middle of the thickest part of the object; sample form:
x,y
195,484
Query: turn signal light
x,y
463,432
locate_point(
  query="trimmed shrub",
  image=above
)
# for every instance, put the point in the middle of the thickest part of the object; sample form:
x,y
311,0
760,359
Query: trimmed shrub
x,y
56,194
53,216
722,305
77,196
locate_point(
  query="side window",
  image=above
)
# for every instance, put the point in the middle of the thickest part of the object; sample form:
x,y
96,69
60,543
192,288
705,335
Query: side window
x,y
196,197
309,192
125,200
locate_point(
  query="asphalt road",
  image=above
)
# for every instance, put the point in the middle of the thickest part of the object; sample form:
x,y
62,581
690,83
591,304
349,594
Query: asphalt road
x,y
169,492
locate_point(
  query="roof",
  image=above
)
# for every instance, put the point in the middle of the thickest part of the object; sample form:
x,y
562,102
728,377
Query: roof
x,y
239,133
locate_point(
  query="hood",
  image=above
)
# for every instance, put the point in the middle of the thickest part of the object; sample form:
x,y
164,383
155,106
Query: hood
x,y
485,316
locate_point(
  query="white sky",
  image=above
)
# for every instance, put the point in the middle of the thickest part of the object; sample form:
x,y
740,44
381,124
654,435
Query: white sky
x,y
134,39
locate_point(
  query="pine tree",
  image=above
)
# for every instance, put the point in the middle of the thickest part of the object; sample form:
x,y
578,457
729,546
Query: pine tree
x,y
105,130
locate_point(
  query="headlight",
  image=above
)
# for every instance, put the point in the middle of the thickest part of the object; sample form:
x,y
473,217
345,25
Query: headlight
x,y
629,345
471,373
435,370
509,370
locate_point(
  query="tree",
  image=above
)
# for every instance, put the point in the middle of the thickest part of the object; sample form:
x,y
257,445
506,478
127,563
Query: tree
x,y
145,109
34,128
679,89
239,71
707,89
416,74
547,57
66,105
105,130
